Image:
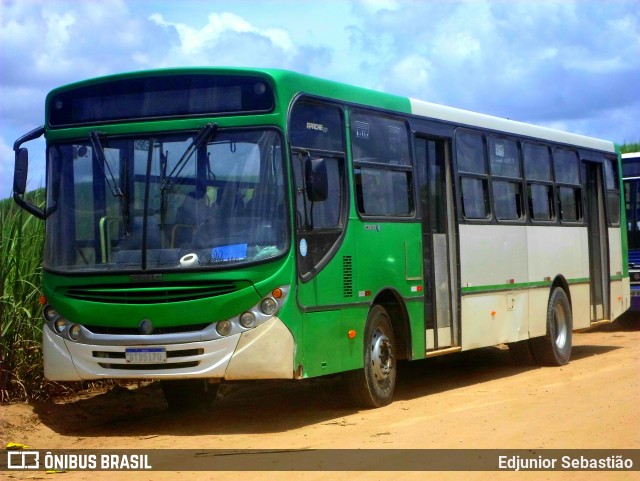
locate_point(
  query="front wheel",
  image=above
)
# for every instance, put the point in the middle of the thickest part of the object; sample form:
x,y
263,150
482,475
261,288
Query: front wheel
x,y
554,349
373,385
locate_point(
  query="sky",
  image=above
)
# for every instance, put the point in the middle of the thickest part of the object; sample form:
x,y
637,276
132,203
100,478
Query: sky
x,y
570,65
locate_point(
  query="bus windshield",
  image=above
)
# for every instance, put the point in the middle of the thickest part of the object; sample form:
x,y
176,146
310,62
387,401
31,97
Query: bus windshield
x,y
202,199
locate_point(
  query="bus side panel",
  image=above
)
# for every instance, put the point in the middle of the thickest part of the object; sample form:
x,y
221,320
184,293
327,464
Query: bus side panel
x,y
620,295
389,258
494,318
580,305
615,252
493,277
553,251
580,289
492,256
327,346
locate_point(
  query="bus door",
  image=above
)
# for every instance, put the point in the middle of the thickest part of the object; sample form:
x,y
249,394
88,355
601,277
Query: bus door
x,y
597,240
439,245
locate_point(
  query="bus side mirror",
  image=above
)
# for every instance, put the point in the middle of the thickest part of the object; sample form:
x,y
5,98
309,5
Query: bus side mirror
x,y
20,172
316,180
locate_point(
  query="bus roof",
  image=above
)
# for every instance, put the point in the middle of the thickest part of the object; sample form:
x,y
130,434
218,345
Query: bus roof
x,y
474,119
292,83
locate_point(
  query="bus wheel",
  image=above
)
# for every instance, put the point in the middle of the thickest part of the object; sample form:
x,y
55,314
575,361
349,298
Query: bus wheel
x,y
373,386
189,393
554,349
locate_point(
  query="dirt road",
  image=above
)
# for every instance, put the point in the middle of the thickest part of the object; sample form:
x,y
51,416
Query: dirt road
x,y
479,399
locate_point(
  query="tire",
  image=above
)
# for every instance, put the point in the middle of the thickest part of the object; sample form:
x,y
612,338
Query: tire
x,y
373,385
554,349
185,394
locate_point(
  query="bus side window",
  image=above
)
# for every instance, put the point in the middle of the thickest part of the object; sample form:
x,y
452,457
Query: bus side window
x,y
382,166
613,191
474,182
537,169
506,179
317,132
567,172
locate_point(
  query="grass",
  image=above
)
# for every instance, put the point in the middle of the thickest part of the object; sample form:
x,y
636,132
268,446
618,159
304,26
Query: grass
x,y
21,360
21,241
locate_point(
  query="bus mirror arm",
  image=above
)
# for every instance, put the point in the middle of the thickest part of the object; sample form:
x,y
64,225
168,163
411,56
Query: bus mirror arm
x,y
21,170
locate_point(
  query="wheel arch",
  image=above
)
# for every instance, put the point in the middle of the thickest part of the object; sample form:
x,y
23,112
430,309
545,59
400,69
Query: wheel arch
x,y
561,282
396,308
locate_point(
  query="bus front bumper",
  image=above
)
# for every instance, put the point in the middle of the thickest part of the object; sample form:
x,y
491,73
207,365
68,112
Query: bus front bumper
x,y
266,352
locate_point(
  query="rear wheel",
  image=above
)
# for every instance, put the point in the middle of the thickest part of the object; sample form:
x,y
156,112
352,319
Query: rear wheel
x,y
373,385
189,393
554,349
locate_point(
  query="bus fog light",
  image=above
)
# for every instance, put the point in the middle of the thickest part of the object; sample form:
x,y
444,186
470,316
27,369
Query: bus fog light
x,y
49,313
60,325
269,306
74,332
247,320
224,328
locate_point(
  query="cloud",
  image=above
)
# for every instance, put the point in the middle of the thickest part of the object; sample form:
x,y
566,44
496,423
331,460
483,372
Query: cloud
x,y
227,39
544,61
374,6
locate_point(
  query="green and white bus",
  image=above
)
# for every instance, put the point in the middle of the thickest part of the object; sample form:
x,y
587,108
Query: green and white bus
x,y
211,224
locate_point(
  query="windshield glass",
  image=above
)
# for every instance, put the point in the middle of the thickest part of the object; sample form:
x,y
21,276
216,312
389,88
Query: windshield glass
x,y
199,200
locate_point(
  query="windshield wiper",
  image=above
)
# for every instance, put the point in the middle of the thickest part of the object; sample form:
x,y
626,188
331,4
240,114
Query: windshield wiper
x,y
115,189
94,137
202,136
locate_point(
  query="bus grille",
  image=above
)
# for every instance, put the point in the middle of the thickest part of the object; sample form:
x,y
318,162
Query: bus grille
x,y
135,331
156,293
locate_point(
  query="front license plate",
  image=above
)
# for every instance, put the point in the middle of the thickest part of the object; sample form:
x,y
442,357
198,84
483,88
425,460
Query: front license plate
x,y
146,355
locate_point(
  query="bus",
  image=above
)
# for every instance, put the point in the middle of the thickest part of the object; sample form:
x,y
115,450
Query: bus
x,y
631,179
209,225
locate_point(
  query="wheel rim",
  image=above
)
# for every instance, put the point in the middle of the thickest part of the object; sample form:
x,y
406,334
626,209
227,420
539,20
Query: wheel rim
x,y
561,328
381,356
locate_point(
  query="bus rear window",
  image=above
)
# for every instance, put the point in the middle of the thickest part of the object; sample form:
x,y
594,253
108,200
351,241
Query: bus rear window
x,y
158,97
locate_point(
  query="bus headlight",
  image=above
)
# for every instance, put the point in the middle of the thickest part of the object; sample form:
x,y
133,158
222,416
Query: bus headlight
x,y
60,325
247,320
224,327
74,332
269,306
49,313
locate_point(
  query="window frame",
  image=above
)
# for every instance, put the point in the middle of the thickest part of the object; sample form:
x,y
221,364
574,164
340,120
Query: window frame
x,y
294,151
520,207
552,198
616,191
483,177
578,187
382,167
